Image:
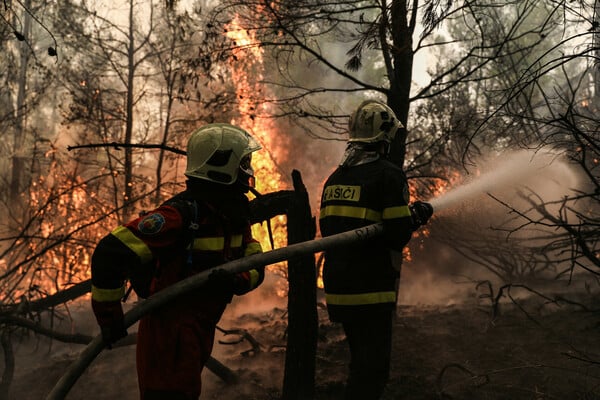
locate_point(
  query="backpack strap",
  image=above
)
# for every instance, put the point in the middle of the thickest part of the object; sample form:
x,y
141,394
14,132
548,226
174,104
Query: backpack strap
x,y
188,208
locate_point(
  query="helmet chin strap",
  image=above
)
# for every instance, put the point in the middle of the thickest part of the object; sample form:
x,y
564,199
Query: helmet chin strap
x,y
385,153
246,182
254,191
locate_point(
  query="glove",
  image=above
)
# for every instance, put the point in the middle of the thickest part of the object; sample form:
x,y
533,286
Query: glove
x,y
109,315
421,212
220,284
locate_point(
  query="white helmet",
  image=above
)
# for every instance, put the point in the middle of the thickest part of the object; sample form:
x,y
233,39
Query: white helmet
x,y
373,122
217,153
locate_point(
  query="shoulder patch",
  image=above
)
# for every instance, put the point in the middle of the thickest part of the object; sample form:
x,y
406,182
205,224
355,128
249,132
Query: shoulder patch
x,y
151,224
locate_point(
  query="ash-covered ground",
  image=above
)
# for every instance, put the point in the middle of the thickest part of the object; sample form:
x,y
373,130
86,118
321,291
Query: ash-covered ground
x,y
445,347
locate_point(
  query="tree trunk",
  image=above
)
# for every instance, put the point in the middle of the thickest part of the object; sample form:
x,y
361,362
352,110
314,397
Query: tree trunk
x,y
19,158
128,189
299,375
596,99
400,73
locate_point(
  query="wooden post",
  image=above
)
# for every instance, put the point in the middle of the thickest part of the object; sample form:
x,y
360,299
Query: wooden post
x,y
301,349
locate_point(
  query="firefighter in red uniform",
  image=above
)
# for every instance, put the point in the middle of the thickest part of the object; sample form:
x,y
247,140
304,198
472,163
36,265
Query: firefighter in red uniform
x,y
202,227
361,281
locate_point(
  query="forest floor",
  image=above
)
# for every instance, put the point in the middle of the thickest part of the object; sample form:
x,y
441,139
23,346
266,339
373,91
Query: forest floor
x,y
531,349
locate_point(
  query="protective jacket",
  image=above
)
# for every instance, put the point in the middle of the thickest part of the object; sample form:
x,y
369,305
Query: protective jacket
x,y
361,278
198,229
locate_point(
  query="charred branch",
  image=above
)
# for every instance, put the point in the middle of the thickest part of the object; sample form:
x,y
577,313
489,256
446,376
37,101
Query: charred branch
x,y
270,205
505,290
48,302
11,320
581,237
215,366
472,379
243,335
219,369
119,146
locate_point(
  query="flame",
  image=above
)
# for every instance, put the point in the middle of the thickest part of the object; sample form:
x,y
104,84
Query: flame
x,y
437,187
248,56
52,248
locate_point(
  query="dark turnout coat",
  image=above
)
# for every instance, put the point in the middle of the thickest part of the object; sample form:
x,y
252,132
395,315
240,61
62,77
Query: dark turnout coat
x,y
361,277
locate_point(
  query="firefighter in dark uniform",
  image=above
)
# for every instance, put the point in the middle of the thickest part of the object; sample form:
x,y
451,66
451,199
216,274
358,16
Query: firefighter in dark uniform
x,y
202,227
361,281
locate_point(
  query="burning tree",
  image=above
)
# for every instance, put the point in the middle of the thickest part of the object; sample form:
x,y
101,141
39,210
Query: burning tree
x,y
79,199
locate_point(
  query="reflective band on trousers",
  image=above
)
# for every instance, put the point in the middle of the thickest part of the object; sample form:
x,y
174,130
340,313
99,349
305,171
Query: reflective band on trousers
x,y
99,294
365,213
216,243
361,298
136,244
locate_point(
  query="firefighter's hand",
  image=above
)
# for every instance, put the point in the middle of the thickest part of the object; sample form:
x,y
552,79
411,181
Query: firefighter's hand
x,y
109,315
220,283
421,212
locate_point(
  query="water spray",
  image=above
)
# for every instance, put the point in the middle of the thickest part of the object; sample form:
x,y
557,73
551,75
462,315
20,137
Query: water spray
x,y
514,170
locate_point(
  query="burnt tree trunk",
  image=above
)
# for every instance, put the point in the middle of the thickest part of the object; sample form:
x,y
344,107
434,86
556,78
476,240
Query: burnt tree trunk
x,y
299,375
301,349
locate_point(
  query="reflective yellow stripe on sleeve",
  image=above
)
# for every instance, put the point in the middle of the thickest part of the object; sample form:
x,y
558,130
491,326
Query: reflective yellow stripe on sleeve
x,y
107,294
216,243
136,244
396,212
351,212
361,298
253,248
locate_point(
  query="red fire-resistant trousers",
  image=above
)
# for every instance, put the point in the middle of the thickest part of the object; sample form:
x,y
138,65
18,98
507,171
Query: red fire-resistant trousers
x,y
172,349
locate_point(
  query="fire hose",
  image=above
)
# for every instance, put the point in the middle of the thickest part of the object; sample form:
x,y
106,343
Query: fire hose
x,y
66,382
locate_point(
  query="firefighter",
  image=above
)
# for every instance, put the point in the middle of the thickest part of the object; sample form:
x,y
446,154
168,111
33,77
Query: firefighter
x,y
200,228
360,282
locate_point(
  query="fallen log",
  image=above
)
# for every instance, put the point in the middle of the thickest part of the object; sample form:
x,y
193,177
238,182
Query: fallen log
x,y
212,364
76,291
66,382
48,302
